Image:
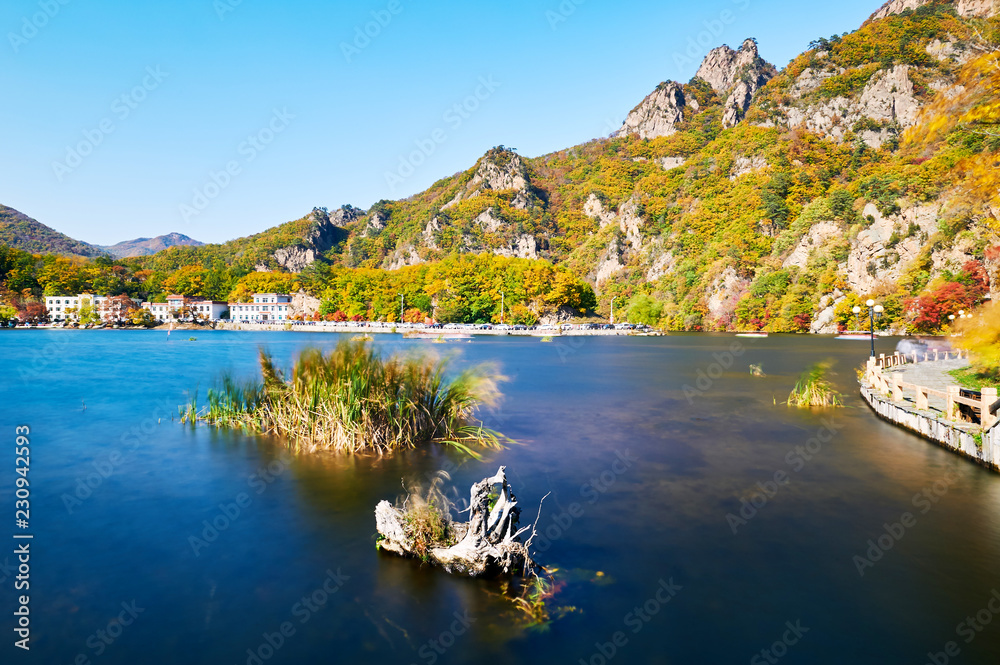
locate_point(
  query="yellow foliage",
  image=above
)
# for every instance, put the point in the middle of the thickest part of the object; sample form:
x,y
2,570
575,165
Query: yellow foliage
x,y
980,336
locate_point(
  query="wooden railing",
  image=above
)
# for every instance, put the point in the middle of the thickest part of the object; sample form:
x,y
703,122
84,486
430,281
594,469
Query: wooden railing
x,y
899,358
984,407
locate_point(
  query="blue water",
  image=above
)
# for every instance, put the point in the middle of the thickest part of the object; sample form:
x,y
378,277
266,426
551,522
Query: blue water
x,y
642,477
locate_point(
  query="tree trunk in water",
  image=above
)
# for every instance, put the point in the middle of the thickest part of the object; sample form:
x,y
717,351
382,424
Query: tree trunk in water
x,y
489,544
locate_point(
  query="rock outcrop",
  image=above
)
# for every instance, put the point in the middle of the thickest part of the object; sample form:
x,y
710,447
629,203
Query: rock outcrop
x,y
817,236
734,75
825,323
326,231
304,305
629,221
659,113
887,101
743,165
523,246
406,256
499,169
966,8
610,263
737,75
896,7
884,250
977,8
723,294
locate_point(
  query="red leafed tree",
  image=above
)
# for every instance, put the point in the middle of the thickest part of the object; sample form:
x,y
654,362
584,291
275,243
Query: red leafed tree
x,y
413,315
32,311
929,312
975,273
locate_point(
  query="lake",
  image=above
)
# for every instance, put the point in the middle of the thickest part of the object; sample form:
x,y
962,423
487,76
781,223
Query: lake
x,y
693,518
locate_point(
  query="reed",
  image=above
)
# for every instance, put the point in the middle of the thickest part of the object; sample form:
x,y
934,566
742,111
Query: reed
x,y
813,389
351,399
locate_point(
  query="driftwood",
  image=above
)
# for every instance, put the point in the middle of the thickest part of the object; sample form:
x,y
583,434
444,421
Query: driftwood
x,y
489,544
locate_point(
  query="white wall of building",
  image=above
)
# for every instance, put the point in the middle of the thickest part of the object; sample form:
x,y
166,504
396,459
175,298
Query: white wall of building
x,y
57,306
265,307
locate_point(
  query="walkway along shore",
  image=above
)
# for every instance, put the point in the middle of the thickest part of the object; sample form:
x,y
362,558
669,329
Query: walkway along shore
x,y
918,394
326,326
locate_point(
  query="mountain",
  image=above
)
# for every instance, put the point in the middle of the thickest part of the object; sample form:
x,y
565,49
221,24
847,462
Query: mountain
x,y
146,246
288,247
747,197
22,232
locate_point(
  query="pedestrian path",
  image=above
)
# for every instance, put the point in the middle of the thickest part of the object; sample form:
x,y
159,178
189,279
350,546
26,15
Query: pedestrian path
x,y
933,374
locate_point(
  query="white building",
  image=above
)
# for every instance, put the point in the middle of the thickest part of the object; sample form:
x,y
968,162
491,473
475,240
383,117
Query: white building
x,y
67,308
265,307
196,307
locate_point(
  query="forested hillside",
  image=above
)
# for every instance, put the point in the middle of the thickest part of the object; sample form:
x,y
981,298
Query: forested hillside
x,y
746,198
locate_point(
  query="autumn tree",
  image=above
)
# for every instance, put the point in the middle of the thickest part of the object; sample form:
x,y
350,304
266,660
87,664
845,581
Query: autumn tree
x,y
187,281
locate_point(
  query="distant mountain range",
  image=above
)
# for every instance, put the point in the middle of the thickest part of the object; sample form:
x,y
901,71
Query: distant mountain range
x,y
147,246
20,231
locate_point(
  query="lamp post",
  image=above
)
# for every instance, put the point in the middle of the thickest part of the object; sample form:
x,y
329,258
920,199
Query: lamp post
x,y
400,307
612,310
501,308
873,309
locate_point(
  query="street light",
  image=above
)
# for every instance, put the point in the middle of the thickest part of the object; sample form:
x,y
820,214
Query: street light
x,y
873,309
400,307
501,308
613,310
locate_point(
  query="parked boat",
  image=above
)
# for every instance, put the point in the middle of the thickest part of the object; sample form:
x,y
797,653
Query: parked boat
x,y
752,334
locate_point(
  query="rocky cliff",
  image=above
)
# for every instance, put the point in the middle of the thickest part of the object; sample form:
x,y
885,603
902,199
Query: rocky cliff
x,y
659,113
736,76
326,231
966,8
747,197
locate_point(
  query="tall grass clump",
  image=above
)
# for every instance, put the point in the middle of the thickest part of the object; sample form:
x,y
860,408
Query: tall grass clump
x,y
813,389
351,399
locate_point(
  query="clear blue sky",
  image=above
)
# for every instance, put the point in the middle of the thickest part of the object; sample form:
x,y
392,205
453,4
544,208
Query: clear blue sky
x,y
201,76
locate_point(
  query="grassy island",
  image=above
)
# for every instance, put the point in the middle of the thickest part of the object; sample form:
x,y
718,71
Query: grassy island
x,y
354,400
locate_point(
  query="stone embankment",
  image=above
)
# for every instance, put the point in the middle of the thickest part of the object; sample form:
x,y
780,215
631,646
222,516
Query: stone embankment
x,y
918,394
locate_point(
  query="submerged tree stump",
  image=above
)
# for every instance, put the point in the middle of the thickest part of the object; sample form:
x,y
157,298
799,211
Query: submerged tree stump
x,y
489,544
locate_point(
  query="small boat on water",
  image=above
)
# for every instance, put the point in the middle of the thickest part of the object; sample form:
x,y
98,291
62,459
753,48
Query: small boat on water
x,y
751,334
854,334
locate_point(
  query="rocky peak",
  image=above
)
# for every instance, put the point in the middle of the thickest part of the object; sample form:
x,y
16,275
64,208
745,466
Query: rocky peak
x,y
896,7
722,67
737,74
498,170
325,232
966,8
658,114
978,8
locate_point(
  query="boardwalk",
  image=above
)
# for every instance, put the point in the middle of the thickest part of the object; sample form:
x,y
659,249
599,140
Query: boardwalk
x,y
932,375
